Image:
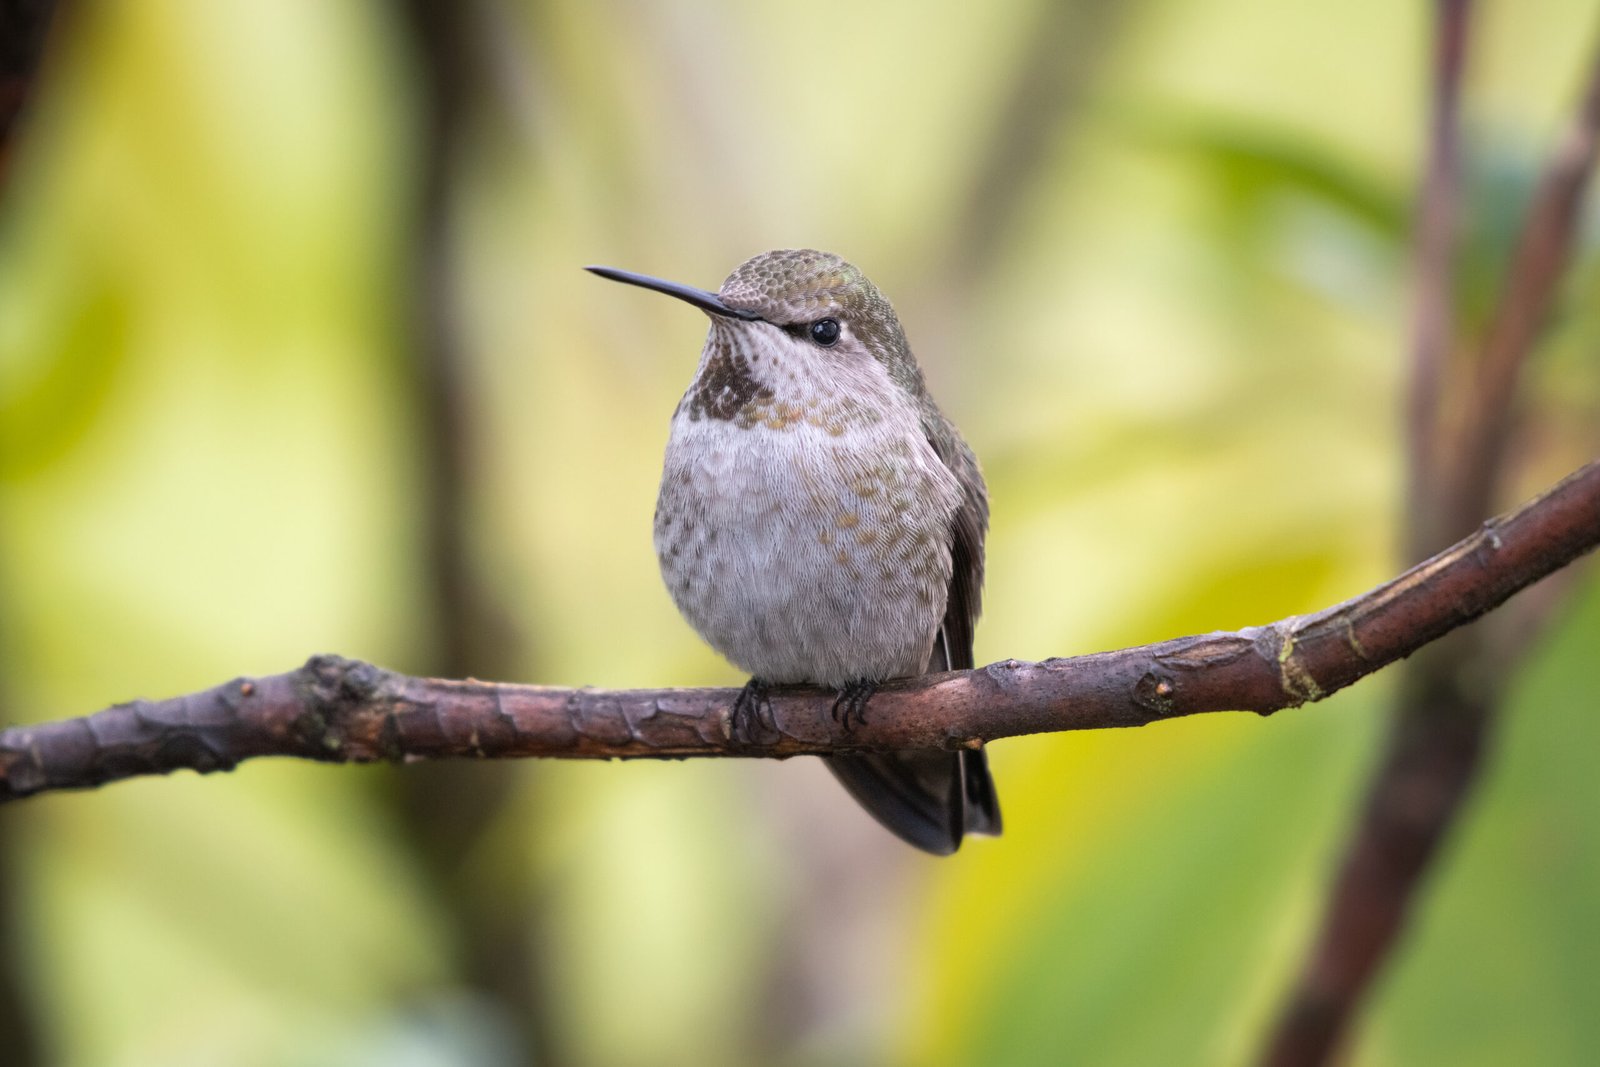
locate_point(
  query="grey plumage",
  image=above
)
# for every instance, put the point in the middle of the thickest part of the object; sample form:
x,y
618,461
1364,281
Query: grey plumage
x,y
820,521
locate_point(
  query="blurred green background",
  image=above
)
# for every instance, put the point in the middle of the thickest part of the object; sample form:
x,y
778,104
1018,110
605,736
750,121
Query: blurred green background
x,y
1153,257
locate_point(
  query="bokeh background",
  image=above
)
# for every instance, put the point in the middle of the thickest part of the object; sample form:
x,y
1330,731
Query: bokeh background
x,y
296,356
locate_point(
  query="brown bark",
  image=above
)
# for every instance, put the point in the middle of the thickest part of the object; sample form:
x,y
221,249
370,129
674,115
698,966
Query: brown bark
x,y
339,710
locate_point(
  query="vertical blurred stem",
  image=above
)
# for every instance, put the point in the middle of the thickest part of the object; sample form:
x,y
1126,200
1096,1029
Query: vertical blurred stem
x,y
1449,694
1433,315
19,1045
1543,251
1436,735
448,809
24,25
1068,42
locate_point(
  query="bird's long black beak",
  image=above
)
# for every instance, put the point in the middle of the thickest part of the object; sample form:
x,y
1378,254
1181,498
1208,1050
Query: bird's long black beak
x,y
708,302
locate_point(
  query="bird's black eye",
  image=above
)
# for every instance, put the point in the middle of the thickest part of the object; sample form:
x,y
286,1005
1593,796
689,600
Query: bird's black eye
x,y
825,332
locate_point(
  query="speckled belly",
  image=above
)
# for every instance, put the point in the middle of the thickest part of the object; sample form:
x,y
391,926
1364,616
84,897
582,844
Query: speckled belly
x,y
807,557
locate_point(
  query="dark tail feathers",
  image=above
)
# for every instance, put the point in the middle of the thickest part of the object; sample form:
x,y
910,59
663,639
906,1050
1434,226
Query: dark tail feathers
x,y
925,797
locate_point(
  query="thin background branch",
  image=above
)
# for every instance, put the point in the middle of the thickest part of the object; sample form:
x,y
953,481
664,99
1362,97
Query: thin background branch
x,y
492,909
1539,263
1067,45
24,27
1450,695
1433,314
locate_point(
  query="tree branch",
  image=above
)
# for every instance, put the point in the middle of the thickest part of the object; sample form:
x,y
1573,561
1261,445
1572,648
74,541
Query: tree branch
x,y
338,710
1544,247
1433,314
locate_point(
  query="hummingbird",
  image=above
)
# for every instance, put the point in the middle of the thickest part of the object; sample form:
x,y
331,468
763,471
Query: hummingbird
x,y
821,522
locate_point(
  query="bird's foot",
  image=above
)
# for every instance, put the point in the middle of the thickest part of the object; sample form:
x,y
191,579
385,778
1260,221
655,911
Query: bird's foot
x,y
752,721
852,703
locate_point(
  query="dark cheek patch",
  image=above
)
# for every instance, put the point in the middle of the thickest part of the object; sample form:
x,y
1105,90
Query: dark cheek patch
x,y
724,386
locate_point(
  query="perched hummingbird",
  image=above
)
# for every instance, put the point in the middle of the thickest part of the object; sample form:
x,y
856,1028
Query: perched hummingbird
x,y
821,522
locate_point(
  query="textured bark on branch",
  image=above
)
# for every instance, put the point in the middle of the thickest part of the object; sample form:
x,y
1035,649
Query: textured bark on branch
x,y
340,710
